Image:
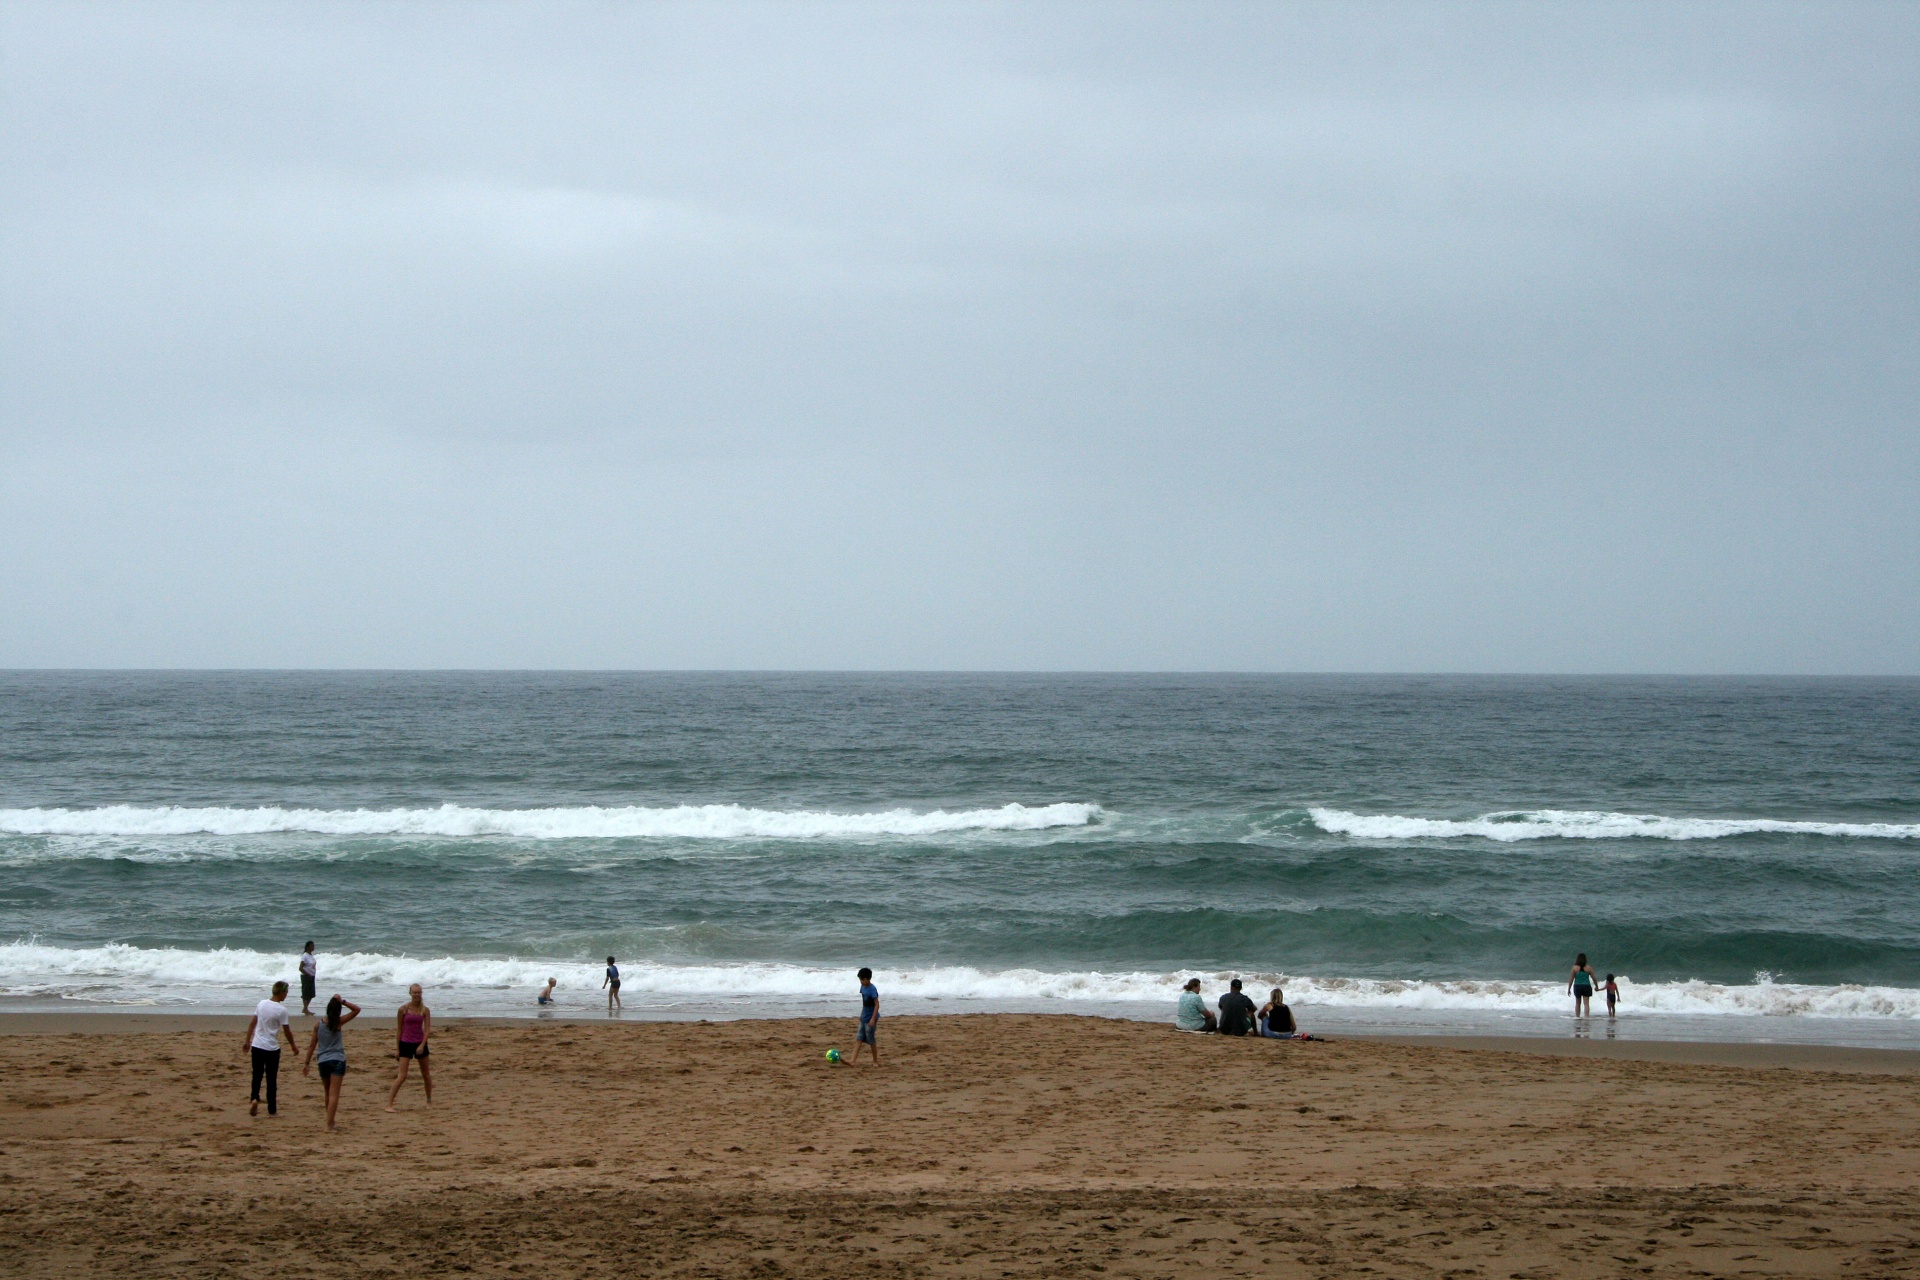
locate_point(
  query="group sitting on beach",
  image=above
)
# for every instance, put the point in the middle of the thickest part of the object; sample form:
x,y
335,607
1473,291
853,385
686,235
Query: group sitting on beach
x,y
1238,1015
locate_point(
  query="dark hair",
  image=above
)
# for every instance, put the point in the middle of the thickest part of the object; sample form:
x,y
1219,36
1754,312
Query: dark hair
x,y
1191,982
1235,984
609,959
309,945
1609,977
866,975
279,988
333,1014
1580,959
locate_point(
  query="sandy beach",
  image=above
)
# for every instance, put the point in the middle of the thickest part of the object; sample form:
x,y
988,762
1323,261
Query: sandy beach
x,y
991,1145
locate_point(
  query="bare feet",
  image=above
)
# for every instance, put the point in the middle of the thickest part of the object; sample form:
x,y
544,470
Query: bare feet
x,y
254,1108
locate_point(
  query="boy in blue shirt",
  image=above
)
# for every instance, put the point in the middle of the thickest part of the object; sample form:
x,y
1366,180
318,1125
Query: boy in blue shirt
x,y
869,1033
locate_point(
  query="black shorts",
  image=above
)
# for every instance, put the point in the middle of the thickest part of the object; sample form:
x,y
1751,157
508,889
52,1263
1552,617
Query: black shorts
x,y
332,1069
306,986
412,1049
1583,993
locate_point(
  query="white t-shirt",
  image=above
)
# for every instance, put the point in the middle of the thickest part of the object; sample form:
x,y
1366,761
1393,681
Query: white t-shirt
x,y
307,966
270,1016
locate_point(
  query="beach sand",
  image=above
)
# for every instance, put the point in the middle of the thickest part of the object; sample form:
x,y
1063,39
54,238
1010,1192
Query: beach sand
x,y
988,1146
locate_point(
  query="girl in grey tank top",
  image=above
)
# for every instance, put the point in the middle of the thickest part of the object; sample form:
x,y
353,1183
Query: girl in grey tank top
x,y
329,1048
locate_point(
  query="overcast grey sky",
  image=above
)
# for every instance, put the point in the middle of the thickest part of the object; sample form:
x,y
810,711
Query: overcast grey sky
x,y
1326,337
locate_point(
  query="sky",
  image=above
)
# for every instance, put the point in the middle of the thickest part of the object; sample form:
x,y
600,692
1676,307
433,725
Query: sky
x,y
1326,337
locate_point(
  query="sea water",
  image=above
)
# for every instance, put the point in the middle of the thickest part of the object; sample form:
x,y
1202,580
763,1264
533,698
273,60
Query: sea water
x,y
1399,853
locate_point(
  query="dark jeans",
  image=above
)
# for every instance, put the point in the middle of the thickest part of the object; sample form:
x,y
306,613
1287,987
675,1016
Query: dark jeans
x,y
266,1062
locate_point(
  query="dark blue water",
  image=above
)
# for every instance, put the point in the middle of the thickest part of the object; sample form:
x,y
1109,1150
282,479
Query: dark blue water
x,y
1278,825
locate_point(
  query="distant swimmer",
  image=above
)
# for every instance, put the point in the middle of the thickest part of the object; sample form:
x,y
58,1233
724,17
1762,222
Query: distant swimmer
x,y
546,997
329,1048
612,983
415,1022
1580,983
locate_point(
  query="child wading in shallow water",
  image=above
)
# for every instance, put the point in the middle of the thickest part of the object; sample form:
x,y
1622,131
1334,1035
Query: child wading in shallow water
x,y
612,983
1613,994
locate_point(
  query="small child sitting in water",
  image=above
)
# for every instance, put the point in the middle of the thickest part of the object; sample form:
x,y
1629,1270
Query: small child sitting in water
x,y
546,997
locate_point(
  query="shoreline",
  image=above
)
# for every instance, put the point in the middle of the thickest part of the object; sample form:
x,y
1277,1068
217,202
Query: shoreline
x,y
1724,1053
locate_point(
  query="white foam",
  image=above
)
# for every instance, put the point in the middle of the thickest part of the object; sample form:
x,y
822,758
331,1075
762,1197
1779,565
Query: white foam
x,y
1543,824
117,973
585,822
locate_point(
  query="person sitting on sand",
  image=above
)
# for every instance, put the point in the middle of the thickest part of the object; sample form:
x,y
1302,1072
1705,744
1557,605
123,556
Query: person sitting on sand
x,y
1193,1014
1236,1011
546,997
1276,1020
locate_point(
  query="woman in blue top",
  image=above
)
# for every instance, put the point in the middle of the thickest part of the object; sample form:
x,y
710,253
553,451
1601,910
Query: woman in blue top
x,y
329,1039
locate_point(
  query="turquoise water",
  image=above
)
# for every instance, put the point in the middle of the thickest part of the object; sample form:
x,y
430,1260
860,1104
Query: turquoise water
x,y
1414,849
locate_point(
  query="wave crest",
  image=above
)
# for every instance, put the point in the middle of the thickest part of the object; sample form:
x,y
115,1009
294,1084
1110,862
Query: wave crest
x,y
1545,824
584,822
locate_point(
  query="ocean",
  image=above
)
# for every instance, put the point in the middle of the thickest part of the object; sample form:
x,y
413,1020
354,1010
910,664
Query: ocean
x,y
1400,853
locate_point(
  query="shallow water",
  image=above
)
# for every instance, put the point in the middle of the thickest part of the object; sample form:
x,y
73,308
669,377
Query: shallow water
x,y
1399,851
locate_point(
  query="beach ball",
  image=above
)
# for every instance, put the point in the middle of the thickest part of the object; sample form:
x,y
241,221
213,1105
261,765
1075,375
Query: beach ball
x,y
833,1055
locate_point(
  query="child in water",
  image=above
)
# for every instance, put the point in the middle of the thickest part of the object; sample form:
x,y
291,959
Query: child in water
x,y
1613,994
612,983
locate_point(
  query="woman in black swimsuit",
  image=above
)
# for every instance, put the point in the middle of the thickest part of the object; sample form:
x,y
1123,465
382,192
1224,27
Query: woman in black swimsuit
x,y
1581,983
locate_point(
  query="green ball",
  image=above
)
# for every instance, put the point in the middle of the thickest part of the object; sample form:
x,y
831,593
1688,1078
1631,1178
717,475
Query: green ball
x,y
833,1055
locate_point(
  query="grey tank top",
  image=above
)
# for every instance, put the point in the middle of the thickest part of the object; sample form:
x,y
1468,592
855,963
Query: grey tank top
x,y
332,1046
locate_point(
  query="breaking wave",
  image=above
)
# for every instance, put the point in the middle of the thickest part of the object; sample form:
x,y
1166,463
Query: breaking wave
x,y
1545,824
585,822
121,974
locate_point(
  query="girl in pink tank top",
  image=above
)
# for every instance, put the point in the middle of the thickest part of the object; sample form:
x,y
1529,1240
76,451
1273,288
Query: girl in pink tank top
x,y
415,1022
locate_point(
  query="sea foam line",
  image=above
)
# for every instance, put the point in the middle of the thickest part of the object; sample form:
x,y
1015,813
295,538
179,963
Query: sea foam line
x,y
117,973
1544,824
583,822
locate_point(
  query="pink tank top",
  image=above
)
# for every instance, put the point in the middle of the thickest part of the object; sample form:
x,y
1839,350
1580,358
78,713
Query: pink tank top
x,y
412,1028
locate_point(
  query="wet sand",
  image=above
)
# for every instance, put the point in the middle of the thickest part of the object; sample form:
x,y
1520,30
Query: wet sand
x,y
989,1145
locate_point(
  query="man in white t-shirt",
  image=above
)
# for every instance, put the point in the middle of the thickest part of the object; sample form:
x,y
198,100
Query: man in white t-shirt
x,y
309,977
270,1019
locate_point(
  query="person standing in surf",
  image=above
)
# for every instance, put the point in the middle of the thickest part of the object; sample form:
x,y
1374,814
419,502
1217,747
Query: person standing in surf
x,y
612,983
332,1046
1613,994
309,976
415,1022
1580,984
